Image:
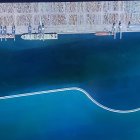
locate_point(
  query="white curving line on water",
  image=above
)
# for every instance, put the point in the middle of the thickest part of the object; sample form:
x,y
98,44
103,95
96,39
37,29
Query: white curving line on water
x,y
68,89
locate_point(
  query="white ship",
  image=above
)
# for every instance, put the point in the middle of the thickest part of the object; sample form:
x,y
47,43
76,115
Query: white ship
x,y
36,36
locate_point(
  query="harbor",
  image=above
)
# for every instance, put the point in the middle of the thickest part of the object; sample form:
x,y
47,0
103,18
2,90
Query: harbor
x,y
69,18
76,51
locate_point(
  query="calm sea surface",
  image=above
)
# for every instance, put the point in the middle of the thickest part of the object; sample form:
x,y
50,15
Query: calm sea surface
x,y
108,69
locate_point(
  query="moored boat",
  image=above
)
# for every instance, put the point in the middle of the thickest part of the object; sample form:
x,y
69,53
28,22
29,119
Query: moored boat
x,y
103,33
36,36
7,36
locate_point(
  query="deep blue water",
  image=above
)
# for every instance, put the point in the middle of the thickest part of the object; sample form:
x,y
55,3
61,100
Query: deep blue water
x,y
108,69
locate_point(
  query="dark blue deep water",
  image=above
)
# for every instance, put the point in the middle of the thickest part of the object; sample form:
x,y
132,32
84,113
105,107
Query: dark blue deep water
x,y
108,69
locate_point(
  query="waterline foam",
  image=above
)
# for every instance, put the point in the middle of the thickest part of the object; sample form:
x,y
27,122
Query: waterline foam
x,y
69,89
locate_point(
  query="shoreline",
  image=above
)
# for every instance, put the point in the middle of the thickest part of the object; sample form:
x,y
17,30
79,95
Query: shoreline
x,y
68,33
64,17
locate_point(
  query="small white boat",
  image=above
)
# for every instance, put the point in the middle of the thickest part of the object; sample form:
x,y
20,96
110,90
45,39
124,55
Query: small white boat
x,y
7,36
36,36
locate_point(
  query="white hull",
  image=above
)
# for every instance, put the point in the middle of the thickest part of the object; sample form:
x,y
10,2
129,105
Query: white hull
x,y
47,36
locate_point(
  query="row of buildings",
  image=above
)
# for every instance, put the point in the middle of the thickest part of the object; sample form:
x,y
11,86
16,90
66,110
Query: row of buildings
x,y
69,16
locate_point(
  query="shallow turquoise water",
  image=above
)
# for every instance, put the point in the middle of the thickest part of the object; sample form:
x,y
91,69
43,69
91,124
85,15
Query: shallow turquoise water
x,y
64,115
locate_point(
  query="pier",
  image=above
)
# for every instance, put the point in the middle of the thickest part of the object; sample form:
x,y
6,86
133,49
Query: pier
x,y
14,31
5,35
114,30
